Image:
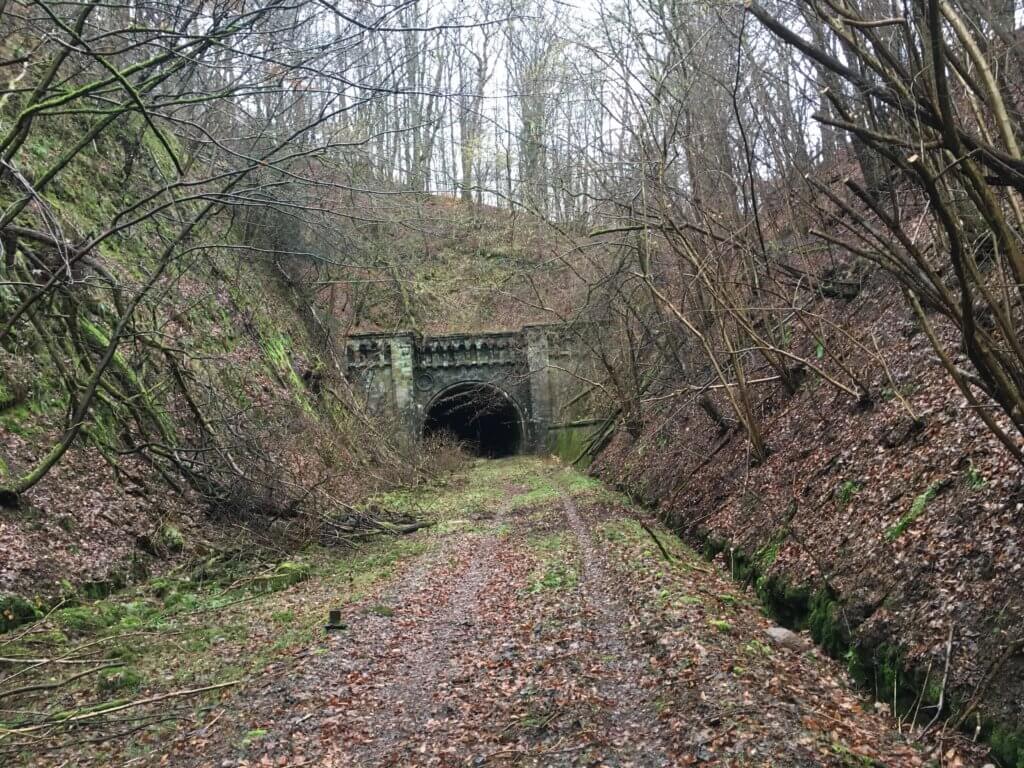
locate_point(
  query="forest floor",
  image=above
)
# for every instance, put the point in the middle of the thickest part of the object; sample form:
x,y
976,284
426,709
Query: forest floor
x,y
542,621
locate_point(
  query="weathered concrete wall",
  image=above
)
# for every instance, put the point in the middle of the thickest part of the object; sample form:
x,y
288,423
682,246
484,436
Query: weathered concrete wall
x,y
574,404
536,338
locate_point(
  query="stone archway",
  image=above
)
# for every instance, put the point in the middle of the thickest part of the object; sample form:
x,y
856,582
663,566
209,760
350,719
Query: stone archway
x,y
483,417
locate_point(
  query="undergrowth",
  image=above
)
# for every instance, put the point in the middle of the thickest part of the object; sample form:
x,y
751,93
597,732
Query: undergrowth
x,y
223,619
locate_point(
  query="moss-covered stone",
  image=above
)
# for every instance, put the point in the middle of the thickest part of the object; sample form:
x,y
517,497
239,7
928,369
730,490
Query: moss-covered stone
x,y
284,575
88,618
15,611
788,603
171,538
826,623
101,588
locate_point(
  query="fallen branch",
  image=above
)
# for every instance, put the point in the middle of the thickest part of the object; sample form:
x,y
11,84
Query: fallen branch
x,y
84,716
945,678
664,552
59,683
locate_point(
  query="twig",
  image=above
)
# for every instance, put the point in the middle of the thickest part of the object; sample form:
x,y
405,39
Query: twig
x,y
60,683
118,708
945,678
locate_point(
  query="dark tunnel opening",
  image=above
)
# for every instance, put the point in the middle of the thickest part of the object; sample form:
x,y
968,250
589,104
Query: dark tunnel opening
x,y
481,417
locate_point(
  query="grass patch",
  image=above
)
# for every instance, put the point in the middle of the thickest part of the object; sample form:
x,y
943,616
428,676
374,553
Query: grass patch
x,y
846,491
175,633
555,569
536,496
554,575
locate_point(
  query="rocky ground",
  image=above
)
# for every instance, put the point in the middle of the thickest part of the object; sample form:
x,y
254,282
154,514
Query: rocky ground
x,y
541,622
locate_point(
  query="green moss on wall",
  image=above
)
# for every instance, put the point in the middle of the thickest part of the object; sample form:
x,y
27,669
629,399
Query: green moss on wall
x,y
567,443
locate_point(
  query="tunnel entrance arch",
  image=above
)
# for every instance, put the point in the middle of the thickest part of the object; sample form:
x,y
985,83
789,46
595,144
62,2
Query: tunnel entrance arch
x,y
484,418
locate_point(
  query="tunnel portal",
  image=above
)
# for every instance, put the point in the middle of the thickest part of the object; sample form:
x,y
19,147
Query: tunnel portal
x,y
479,416
494,391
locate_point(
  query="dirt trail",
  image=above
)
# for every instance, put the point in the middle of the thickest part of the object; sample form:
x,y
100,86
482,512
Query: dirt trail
x,y
546,629
631,712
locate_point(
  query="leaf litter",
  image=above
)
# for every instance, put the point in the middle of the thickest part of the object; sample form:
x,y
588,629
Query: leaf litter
x,y
640,655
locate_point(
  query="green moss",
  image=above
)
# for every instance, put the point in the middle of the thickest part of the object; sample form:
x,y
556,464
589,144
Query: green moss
x,y
789,603
712,547
767,554
757,648
157,149
567,443
720,624
1007,744
284,575
253,736
881,669
20,421
555,574
916,510
88,618
123,652
101,588
171,538
826,623
556,570
846,491
850,759
536,496
122,679
973,478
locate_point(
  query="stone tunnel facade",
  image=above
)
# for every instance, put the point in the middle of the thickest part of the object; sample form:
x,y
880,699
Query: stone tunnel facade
x,y
405,373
